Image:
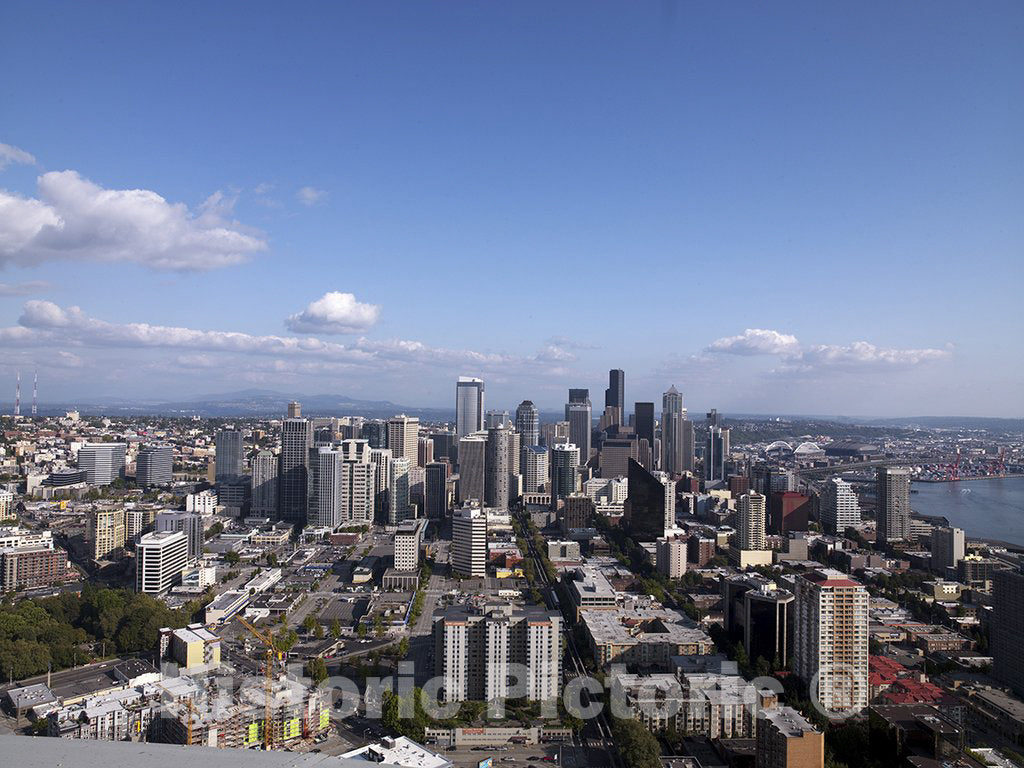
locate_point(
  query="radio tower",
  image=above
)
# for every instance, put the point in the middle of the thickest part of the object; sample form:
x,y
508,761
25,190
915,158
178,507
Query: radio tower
x,y
35,392
17,395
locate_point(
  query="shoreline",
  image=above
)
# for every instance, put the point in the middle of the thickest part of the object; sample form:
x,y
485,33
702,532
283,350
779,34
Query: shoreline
x,y
968,479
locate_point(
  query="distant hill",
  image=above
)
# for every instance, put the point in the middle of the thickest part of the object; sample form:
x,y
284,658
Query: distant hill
x,y
260,403
251,403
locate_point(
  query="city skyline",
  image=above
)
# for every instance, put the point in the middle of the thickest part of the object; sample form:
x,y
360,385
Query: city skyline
x,y
352,214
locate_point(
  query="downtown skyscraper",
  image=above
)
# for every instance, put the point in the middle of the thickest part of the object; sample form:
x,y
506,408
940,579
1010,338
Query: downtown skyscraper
x,y
676,434
264,484
578,414
230,454
615,396
892,508
293,479
469,406
497,467
528,424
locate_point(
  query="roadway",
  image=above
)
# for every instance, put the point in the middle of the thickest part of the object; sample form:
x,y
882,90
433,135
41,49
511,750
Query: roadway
x,y
600,723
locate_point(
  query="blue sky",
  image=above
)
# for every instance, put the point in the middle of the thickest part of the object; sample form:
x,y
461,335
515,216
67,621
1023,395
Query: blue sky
x,y
787,207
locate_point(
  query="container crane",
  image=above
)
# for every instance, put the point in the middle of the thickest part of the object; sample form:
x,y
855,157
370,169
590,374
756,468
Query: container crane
x,y
272,655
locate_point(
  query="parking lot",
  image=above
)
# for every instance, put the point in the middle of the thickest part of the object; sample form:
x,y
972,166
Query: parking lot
x,y
512,756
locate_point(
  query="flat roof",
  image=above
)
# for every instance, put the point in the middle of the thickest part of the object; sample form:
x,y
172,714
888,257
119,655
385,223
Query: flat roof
x,y
43,752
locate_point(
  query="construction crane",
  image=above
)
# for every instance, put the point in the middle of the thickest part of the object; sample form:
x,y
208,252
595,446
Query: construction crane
x,y
272,655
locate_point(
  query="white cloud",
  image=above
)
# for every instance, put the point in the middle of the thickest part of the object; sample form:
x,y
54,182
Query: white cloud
x,y
23,289
863,354
14,156
311,195
553,353
756,341
334,312
798,359
73,218
45,323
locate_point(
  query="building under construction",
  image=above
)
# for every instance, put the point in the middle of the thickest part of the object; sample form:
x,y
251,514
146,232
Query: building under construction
x,y
237,721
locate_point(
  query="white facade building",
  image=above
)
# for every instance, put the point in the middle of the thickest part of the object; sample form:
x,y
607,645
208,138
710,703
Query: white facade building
x,y
160,559
839,506
469,541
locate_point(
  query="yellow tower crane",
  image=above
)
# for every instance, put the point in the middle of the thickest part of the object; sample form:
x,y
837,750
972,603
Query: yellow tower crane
x,y
272,655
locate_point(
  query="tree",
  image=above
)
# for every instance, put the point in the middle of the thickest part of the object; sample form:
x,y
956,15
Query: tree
x,y
318,630
389,710
637,745
317,670
284,641
309,624
336,629
231,557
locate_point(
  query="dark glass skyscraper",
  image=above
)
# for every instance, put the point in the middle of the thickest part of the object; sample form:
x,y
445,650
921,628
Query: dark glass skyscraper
x,y
643,421
230,454
615,395
435,490
296,440
645,505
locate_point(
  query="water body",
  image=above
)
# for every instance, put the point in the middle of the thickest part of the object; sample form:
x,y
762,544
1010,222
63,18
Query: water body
x,y
987,509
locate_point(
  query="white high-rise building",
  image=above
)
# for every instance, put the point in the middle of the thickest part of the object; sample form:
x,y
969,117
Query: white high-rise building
x,y
381,458
358,483
949,546
670,498
839,507
750,511
159,560
469,406
535,469
103,462
830,650
671,556
404,437
476,652
6,504
469,541
398,492
408,540
326,476
204,502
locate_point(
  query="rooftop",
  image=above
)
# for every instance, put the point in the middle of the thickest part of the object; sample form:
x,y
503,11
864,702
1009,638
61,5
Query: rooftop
x,y
399,750
788,721
30,752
